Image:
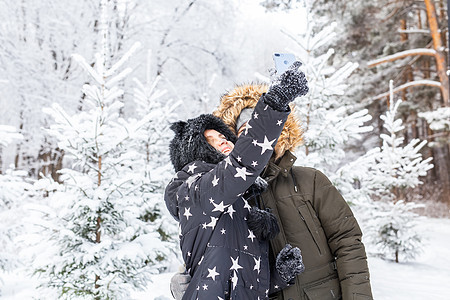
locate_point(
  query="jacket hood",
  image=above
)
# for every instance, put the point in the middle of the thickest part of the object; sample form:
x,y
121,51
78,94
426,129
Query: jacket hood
x,y
189,144
246,96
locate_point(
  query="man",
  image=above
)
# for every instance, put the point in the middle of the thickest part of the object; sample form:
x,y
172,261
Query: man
x,y
207,196
311,213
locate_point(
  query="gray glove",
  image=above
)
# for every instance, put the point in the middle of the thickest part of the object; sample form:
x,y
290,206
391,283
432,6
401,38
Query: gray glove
x,y
178,284
289,263
290,85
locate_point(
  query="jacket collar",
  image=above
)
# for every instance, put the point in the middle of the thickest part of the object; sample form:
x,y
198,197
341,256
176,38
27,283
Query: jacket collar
x,y
283,166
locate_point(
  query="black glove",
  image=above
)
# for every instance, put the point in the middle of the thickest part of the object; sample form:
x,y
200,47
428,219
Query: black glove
x,y
256,189
178,284
263,224
288,86
289,263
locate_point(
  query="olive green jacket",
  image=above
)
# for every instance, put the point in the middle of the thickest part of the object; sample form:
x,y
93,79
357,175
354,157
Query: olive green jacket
x,y
314,217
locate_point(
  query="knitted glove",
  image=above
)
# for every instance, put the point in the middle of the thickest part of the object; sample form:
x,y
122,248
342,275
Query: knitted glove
x,y
178,284
290,85
263,224
289,263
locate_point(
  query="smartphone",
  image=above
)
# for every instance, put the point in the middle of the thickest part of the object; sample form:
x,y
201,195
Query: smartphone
x,y
283,61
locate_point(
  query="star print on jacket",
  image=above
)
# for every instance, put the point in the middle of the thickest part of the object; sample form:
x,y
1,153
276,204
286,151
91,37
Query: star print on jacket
x,y
218,248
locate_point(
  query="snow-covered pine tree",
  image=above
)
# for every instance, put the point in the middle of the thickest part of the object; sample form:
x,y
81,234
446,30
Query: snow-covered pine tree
x,y
383,174
329,121
103,248
153,147
396,230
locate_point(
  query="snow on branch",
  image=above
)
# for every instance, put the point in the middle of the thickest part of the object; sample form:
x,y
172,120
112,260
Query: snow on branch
x,y
399,55
123,59
8,134
80,59
423,31
438,119
408,85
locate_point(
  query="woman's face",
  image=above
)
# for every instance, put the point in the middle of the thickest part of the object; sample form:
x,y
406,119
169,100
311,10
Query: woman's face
x,y
218,141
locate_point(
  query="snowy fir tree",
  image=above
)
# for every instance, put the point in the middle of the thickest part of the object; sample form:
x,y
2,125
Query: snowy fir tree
x,y
102,247
153,148
383,174
329,122
395,230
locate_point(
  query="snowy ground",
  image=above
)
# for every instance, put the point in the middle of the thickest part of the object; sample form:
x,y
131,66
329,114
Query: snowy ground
x,y
426,278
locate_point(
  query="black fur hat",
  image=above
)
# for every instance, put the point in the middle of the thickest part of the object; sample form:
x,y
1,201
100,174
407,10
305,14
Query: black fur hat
x,y
189,143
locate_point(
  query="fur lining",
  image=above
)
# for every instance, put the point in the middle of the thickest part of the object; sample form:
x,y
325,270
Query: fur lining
x,y
247,95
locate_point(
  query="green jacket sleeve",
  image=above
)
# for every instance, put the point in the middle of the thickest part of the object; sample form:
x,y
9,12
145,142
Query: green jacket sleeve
x,y
344,238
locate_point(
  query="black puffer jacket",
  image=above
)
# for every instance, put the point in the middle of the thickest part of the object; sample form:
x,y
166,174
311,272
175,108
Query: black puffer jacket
x,y
221,254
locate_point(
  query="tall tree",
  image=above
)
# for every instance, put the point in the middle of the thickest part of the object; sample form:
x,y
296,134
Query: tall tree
x,y
403,41
104,246
330,122
378,181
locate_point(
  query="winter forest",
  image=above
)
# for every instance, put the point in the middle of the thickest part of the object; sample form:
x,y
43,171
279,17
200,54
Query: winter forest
x,y
89,89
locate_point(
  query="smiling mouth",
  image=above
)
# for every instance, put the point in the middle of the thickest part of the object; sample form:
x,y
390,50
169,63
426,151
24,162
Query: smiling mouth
x,y
226,150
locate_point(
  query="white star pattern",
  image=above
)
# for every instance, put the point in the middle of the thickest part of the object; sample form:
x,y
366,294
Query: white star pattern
x,y
215,181
279,122
205,287
230,211
234,280
213,222
276,286
211,200
257,266
223,231
192,168
191,179
242,172
255,142
266,145
247,127
239,159
227,162
255,115
187,213
189,254
245,247
219,207
235,265
186,198
251,235
212,273
246,205
254,163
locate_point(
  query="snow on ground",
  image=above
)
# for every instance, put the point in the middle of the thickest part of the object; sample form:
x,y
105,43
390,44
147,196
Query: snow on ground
x,y
428,277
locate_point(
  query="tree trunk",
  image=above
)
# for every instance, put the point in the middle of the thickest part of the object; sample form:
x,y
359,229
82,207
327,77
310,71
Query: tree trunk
x,y
442,166
50,162
438,47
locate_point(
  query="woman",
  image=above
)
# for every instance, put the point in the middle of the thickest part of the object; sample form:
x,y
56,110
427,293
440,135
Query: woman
x,y
207,197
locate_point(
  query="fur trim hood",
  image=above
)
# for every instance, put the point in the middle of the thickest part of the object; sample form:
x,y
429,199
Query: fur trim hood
x,y
246,96
189,144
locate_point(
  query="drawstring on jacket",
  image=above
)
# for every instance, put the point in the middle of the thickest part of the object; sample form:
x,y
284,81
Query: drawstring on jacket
x,y
295,181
